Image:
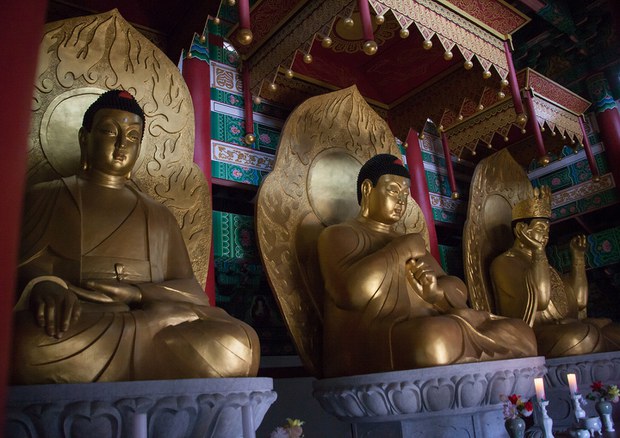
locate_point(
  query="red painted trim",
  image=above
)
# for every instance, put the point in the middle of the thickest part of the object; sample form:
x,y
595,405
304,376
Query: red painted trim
x,y
419,188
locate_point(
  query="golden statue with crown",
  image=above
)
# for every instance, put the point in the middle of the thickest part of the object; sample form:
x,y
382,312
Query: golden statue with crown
x,y
526,286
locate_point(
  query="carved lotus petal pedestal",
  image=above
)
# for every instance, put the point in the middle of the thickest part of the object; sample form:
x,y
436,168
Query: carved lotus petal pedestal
x,y
209,408
588,368
448,401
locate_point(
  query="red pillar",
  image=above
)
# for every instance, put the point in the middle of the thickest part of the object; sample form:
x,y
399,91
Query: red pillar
x,y
588,149
198,79
512,81
419,188
608,119
533,122
20,37
448,157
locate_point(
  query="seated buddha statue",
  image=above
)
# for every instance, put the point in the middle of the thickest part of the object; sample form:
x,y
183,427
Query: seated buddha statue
x,y
526,286
107,288
388,304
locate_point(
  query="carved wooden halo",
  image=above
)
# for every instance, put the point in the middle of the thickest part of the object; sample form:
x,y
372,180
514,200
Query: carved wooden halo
x,y
80,58
322,146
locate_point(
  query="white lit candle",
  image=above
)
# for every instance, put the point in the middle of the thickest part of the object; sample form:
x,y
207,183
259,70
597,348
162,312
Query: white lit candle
x,y
572,383
540,388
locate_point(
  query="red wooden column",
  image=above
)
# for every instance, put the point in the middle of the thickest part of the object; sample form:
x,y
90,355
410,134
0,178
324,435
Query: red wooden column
x,y
448,157
419,188
20,37
197,75
608,119
512,81
543,158
588,150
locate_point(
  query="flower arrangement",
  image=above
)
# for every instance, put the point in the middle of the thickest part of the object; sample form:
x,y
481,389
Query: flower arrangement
x,y
291,430
515,406
609,393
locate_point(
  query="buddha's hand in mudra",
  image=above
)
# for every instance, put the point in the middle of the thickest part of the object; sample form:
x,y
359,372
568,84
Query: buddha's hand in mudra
x,y
55,308
423,280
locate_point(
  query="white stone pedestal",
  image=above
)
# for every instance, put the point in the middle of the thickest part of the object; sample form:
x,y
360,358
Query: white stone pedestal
x,y
450,401
210,408
588,368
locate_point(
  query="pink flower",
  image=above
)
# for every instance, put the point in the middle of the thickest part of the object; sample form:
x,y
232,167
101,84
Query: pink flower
x,y
237,173
235,130
264,138
606,246
555,181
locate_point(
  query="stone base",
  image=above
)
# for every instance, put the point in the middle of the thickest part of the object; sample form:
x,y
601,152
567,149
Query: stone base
x,y
210,408
588,368
449,401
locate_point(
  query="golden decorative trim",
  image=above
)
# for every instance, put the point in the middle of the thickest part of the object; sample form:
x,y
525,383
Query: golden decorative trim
x,y
556,117
581,191
433,18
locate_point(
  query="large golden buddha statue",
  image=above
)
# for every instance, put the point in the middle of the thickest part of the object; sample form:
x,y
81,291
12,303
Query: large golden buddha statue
x,y
527,287
108,290
389,304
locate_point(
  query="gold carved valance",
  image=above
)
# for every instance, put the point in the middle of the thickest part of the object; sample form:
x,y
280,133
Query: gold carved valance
x,y
452,29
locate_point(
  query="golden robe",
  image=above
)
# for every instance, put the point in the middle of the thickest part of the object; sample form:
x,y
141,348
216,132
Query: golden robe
x,y
396,328
112,341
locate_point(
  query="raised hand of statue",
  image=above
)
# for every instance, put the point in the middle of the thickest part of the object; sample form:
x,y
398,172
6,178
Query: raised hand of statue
x,y
117,291
578,246
423,279
55,307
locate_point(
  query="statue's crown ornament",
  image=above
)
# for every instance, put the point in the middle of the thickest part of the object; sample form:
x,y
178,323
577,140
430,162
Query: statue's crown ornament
x,y
538,205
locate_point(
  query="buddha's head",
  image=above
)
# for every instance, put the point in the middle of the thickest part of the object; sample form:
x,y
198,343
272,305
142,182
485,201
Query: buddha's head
x,y
383,188
111,134
530,217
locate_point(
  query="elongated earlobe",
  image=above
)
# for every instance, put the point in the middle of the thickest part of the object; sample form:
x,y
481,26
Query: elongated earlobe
x,y
366,188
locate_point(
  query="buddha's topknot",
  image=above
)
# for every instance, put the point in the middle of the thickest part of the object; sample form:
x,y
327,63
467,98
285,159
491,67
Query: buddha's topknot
x,y
113,99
